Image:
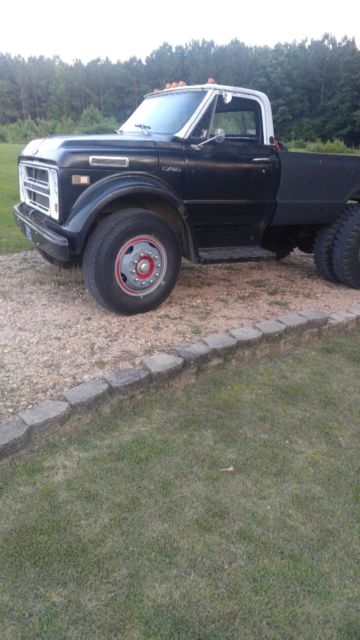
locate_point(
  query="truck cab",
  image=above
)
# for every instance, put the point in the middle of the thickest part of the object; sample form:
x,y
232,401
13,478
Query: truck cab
x,y
195,173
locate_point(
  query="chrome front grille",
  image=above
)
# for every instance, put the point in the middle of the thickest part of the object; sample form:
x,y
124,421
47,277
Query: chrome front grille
x,y
39,187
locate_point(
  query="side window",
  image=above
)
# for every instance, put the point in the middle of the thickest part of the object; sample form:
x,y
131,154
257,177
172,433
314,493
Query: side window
x,y
202,128
241,118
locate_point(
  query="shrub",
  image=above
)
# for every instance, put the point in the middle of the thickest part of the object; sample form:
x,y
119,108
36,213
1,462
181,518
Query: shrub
x,y
318,146
330,146
297,143
92,121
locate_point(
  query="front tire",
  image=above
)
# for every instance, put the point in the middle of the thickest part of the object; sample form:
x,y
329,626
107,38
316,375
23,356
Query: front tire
x,y
131,261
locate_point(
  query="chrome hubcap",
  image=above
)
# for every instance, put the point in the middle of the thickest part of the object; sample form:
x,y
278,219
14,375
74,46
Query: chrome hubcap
x,y
144,267
140,265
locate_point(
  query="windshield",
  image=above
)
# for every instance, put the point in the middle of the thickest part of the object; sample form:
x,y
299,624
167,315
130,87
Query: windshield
x,y
165,113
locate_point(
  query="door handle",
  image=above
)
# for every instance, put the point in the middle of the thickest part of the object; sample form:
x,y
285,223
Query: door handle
x,y
261,160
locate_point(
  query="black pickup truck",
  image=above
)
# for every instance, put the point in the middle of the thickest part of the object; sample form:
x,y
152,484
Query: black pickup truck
x,y
195,172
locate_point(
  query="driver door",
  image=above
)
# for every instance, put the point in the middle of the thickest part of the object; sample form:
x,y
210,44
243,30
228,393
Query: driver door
x,y
230,186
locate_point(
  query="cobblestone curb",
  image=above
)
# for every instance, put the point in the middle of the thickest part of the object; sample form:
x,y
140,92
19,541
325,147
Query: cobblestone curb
x,y
236,345
86,394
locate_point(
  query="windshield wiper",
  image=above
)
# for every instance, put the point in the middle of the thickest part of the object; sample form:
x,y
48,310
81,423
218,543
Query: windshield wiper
x,y
145,128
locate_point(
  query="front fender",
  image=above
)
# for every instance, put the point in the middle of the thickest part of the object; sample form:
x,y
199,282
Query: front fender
x,y
96,197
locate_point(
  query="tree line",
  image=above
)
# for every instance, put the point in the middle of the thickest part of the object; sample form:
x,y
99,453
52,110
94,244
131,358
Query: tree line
x,y
314,86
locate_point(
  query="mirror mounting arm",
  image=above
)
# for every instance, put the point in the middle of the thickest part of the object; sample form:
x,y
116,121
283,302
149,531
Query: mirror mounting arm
x,y
219,137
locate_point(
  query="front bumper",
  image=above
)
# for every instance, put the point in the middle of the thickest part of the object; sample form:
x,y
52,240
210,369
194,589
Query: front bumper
x,y
34,229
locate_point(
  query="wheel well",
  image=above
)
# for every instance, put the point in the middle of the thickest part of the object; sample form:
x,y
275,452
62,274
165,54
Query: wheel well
x,y
290,236
162,207
355,197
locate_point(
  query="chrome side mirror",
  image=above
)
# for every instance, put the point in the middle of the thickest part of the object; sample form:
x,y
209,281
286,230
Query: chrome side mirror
x,y
220,136
227,97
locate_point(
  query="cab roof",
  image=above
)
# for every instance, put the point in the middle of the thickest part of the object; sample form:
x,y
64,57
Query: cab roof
x,y
210,87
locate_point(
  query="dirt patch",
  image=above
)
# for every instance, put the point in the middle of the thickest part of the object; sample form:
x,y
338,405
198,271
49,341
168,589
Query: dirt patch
x,y
53,335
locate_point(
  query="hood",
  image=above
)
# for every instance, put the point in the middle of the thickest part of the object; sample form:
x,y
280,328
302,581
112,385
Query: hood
x,y
74,151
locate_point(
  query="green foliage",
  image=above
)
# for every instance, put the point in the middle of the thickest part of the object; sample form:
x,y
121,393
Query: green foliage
x,y
11,238
318,146
296,143
314,86
330,146
92,121
64,125
24,130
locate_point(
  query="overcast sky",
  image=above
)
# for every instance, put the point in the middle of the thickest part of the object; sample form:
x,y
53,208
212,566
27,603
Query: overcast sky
x,y
118,30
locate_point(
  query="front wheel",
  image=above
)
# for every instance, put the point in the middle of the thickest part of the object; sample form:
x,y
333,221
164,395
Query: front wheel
x,y
132,261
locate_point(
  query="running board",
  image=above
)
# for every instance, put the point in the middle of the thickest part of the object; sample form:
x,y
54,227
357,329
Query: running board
x,y
235,254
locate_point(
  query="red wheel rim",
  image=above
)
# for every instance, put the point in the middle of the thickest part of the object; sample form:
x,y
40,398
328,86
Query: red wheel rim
x,y
140,265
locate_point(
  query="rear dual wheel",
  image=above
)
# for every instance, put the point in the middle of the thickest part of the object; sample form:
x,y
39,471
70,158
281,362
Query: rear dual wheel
x,y
346,251
131,261
337,249
323,249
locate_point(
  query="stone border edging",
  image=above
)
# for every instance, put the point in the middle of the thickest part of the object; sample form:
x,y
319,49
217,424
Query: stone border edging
x,y
186,361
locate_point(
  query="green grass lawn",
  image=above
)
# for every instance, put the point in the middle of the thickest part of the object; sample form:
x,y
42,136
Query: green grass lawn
x,y
11,238
130,529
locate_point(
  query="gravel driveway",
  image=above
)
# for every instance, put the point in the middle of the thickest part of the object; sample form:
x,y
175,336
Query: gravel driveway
x,y
53,335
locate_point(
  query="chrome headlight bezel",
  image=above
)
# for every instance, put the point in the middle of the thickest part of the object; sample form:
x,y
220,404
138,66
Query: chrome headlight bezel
x,y
54,193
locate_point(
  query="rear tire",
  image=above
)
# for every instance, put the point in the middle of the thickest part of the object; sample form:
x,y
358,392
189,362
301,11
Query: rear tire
x,y
131,261
346,253
324,247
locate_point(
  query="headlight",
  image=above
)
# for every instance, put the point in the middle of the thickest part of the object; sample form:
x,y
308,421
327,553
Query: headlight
x,y
21,182
54,193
